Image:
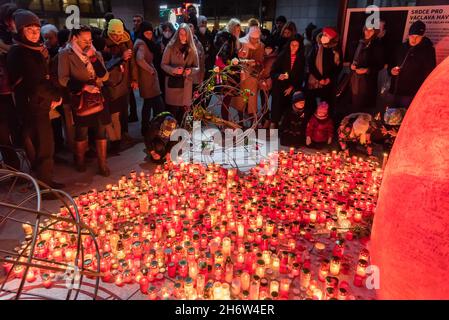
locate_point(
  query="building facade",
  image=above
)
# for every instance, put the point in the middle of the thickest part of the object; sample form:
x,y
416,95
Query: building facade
x,y
326,12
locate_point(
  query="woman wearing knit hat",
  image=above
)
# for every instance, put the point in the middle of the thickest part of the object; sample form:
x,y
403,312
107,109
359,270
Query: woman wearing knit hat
x,y
413,62
325,63
122,69
28,67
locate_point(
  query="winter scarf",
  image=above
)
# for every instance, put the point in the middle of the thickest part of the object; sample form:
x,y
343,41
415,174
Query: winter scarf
x,y
83,57
39,46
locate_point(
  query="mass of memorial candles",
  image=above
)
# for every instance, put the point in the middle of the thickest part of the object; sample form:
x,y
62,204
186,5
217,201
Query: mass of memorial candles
x,y
220,234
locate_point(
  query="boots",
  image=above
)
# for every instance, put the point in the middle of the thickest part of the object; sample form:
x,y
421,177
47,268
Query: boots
x,y
80,152
102,147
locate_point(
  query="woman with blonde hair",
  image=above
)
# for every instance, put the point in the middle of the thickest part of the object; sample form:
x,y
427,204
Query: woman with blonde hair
x,y
181,64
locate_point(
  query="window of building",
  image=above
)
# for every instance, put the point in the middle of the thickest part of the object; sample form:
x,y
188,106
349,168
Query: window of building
x,y
52,5
66,3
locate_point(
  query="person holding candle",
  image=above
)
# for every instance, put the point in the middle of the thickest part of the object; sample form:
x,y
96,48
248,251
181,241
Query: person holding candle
x,y
412,63
287,73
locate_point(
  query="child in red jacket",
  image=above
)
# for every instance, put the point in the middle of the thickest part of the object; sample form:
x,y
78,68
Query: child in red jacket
x,y
320,128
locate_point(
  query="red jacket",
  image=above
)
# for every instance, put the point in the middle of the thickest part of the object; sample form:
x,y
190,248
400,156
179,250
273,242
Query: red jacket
x,y
320,130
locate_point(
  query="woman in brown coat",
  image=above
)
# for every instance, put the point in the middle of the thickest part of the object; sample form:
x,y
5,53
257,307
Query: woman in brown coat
x,y
180,62
145,49
81,68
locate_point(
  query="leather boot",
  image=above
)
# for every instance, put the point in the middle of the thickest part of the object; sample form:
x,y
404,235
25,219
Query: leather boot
x,y
80,152
102,149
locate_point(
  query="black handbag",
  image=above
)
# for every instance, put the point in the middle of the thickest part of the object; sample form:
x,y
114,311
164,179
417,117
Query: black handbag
x,y
175,82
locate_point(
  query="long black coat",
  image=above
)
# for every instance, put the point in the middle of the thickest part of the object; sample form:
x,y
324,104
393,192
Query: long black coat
x,y
364,87
331,69
417,63
29,72
282,64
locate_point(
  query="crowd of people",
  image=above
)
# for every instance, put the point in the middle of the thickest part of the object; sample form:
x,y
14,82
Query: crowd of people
x,y
74,89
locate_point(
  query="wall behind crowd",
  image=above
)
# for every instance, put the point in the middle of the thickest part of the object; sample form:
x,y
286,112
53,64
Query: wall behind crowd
x,y
320,12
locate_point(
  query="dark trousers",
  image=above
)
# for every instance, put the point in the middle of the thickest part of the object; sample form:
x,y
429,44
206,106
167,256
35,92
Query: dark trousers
x,y
157,105
39,132
280,103
124,101
57,132
9,124
132,104
98,132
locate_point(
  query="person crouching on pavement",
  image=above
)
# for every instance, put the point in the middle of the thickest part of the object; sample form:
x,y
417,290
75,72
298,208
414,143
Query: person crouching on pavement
x,y
320,128
157,137
355,130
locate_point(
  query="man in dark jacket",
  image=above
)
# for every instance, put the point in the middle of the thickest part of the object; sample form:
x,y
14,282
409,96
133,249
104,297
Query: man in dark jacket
x,y
206,39
28,67
414,61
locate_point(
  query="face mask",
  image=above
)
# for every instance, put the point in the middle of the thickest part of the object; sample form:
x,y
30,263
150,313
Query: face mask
x,y
167,34
203,30
325,40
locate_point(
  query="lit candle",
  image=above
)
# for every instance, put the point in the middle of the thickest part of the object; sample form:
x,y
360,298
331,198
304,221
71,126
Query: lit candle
x,y
245,279
364,254
254,290
193,270
361,268
30,277
284,287
275,265
384,162
235,287
144,285
46,280
335,266
317,294
226,247
200,282
217,291
306,275
357,215
274,286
